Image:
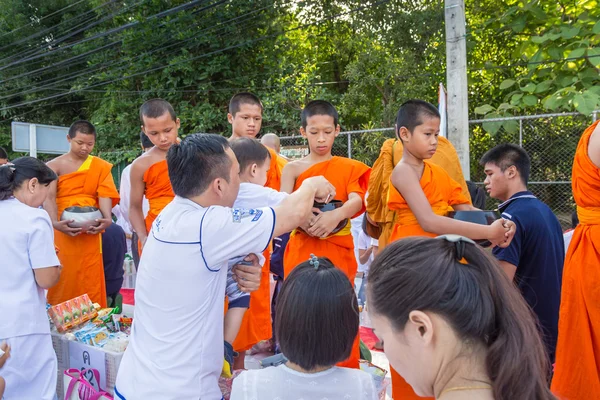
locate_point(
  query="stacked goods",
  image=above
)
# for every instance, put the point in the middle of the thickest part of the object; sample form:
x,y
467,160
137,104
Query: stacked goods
x,y
72,313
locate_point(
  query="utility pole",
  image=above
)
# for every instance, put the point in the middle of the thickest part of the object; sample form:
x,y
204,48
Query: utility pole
x,y
456,81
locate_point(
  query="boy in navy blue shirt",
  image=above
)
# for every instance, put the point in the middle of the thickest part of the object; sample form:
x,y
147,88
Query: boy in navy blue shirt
x,y
534,259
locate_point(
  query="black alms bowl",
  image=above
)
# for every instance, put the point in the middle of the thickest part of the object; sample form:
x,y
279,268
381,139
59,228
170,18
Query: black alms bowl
x,y
476,217
332,205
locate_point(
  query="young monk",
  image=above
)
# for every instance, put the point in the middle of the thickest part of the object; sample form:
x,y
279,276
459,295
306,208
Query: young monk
x,y
350,178
245,117
577,371
421,193
149,174
83,180
378,211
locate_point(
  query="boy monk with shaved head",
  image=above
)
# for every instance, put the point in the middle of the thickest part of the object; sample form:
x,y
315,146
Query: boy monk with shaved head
x,y
350,178
83,180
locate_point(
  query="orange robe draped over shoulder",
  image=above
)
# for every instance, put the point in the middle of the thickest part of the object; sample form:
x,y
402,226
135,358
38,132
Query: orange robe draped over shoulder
x,y
256,325
390,155
348,176
158,190
442,192
81,255
577,368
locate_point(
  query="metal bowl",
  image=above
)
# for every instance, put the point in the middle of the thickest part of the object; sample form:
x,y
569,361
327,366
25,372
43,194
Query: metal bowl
x,y
476,217
82,217
332,205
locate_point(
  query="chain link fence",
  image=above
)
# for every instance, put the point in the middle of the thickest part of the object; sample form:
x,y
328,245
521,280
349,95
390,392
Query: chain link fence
x,y
549,139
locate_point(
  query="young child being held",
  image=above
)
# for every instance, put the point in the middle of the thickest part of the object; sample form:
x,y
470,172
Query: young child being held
x,y
313,338
254,160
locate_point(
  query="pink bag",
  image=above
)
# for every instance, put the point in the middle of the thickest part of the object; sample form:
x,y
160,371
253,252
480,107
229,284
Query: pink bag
x,y
80,388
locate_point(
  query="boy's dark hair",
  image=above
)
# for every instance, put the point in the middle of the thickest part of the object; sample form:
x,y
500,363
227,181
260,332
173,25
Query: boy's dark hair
x,y
318,107
243,98
465,286
3,153
574,220
249,151
154,108
411,113
317,315
23,169
145,140
507,155
82,126
196,162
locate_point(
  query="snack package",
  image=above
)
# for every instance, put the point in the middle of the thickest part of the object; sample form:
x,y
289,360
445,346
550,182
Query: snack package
x,y
116,342
125,324
61,316
71,313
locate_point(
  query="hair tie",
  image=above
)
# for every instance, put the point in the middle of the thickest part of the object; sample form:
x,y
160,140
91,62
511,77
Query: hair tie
x,y
10,166
314,261
459,245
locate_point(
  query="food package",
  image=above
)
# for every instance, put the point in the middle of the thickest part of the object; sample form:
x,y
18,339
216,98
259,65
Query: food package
x,y
71,313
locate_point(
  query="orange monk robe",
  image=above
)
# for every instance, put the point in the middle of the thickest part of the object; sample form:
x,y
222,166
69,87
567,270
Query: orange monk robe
x,y
348,176
81,255
442,192
158,190
577,368
390,155
256,325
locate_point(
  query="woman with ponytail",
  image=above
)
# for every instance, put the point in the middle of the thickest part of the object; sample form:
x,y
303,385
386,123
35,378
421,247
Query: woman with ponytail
x,y
28,265
453,325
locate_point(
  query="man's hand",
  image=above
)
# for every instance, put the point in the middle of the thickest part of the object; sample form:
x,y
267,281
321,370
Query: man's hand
x,y
502,232
248,276
325,191
63,226
324,223
104,223
6,349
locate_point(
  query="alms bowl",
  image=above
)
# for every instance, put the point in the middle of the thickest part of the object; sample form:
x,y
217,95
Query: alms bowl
x,y
332,205
82,217
476,217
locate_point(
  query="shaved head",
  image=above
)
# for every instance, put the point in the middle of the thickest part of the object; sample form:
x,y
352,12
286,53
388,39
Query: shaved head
x,y
271,140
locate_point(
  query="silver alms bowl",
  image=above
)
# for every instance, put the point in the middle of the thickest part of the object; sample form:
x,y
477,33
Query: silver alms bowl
x,y
83,217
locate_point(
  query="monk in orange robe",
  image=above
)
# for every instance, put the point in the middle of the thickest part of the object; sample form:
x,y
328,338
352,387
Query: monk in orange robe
x,y
245,117
350,178
577,368
390,155
149,172
83,180
420,193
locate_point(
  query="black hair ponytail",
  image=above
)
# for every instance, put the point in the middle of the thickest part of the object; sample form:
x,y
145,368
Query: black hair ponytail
x,y
465,286
12,175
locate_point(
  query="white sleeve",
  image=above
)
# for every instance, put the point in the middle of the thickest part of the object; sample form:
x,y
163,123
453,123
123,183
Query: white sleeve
x,y
226,233
275,198
124,192
239,388
363,241
42,253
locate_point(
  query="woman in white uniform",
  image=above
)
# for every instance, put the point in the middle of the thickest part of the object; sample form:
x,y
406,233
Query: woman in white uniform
x,y
29,265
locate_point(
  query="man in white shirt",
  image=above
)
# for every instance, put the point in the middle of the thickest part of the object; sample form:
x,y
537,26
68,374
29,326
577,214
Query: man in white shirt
x,y
176,344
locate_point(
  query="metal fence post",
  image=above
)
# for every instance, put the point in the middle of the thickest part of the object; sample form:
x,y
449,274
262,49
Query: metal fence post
x,y
349,145
521,132
594,116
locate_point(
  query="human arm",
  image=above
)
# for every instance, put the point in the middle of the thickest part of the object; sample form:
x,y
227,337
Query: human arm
x,y
233,323
288,178
52,210
42,253
325,222
364,254
508,268
594,147
406,181
105,205
464,207
136,198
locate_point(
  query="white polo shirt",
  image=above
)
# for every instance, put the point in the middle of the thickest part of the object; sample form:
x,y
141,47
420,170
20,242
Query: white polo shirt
x,y
26,244
176,344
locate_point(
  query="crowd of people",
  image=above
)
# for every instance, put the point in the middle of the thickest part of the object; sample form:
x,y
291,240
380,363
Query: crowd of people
x,y
212,220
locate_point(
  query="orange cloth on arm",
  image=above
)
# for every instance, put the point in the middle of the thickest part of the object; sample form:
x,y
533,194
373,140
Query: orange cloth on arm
x,y
442,192
256,325
81,255
577,368
348,176
158,190
390,155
